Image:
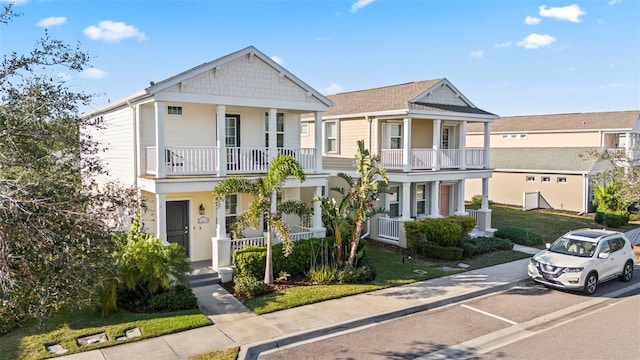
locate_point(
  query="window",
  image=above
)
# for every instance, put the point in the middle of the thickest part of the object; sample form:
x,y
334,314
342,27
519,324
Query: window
x,y
513,136
230,211
304,129
445,137
546,179
279,130
421,200
331,136
562,180
394,201
531,178
174,110
395,136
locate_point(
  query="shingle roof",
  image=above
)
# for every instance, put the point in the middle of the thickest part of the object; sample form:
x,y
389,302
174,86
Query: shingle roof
x,y
569,159
562,122
394,97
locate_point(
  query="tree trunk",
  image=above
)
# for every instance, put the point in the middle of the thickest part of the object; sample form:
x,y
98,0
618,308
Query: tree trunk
x,y
355,241
268,269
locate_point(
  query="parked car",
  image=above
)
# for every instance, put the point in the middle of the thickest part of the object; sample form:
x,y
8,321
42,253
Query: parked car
x,y
581,259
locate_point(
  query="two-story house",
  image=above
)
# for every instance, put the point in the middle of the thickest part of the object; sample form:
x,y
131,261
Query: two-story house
x,y
419,130
540,160
176,139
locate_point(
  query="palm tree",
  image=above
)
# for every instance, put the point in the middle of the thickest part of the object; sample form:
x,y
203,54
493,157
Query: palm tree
x,y
264,190
363,192
607,198
335,216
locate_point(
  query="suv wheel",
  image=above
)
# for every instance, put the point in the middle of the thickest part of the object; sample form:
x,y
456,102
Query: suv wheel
x,y
627,272
591,283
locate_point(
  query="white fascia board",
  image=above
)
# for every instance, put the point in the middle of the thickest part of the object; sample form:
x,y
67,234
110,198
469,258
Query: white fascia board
x,y
239,101
443,115
125,101
373,114
445,82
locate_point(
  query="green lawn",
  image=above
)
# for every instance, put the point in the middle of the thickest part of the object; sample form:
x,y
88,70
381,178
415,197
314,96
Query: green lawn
x,y
29,341
548,224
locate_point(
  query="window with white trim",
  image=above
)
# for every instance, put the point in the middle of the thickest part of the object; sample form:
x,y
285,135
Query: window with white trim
x,y
174,110
279,130
395,136
304,129
546,179
531,178
230,211
394,201
561,180
421,200
331,136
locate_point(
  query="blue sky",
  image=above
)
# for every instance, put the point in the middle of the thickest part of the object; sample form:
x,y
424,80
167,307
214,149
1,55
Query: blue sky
x,y
509,57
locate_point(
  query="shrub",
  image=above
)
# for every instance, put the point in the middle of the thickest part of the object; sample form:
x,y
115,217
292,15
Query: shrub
x,y
414,232
173,299
519,236
599,217
613,220
476,200
634,217
468,249
250,261
363,273
323,274
467,223
442,252
443,232
248,285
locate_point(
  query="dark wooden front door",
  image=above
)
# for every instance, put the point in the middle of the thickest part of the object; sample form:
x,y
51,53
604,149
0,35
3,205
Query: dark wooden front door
x,y
444,200
178,223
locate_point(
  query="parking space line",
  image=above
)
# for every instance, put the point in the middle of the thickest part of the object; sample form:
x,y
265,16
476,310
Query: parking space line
x,y
489,314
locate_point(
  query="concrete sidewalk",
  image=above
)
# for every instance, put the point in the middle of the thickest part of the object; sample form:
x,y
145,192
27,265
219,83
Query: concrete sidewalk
x,y
234,325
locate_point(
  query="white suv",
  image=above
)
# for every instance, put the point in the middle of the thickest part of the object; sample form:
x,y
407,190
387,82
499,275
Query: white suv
x,y
581,259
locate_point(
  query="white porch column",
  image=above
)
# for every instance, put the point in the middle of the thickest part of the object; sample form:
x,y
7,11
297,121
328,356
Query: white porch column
x,y
273,138
318,227
161,217
437,124
160,156
460,210
487,145
406,139
220,243
406,200
463,145
484,214
375,147
221,141
141,152
435,199
318,141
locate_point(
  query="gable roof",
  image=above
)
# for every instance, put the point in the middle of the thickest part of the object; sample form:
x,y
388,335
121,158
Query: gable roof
x,y
550,159
250,51
408,96
618,120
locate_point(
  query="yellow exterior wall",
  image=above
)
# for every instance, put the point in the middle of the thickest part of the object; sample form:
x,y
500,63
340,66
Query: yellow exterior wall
x,y
539,140
350,132
308,141
421,134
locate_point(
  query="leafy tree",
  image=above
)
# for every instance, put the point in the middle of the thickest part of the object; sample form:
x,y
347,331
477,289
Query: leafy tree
x,y
607,198
623,173
264,190
363,192
55,232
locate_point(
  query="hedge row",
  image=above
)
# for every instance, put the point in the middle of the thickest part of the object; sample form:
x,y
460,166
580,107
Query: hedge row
x,y
613,219
520,236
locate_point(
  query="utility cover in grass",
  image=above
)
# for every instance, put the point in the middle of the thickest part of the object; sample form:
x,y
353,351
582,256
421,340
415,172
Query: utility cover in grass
x,y
131,333
418,271
56,349
463,265
92,339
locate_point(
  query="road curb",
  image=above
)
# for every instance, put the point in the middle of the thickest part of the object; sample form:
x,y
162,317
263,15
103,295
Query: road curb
x,y
252,351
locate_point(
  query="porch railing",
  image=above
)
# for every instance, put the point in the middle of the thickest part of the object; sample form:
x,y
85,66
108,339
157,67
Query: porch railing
x,y
472,213
298,233
389,228
430,159
205,160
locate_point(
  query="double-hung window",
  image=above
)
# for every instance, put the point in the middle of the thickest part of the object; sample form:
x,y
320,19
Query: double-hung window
x,y
331,136
394,201
421,200
279,130
395,136
230,211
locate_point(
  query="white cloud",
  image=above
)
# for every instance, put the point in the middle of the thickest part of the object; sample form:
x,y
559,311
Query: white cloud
x,y
613,86
110,31
568,13
64,76
333,89
360,4
277,59
477,54
93,73
15,2
503,45
613,2
530,20
52,21
534,41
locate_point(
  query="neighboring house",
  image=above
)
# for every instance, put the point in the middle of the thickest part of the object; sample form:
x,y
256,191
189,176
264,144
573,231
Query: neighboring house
x,y
176,139
544,156
419,131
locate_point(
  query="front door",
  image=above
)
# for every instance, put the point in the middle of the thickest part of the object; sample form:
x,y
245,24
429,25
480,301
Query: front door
x,y
444,200
178,223
232,141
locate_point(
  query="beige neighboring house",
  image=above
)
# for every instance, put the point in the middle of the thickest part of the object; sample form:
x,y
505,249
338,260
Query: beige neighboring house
x,y
419,130
176,139
539,160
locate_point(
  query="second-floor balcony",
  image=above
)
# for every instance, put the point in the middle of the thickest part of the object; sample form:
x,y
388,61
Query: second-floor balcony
x,y
431,159
206,160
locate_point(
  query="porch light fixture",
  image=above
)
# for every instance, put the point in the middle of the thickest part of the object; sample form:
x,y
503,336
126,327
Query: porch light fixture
x,y
201,209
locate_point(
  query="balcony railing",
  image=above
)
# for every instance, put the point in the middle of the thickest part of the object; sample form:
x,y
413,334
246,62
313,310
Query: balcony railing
x,y
430,159
205,160
389,228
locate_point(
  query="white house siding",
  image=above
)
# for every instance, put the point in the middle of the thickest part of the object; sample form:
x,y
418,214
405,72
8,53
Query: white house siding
x,y
247,77
308,141
118,138
443,95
